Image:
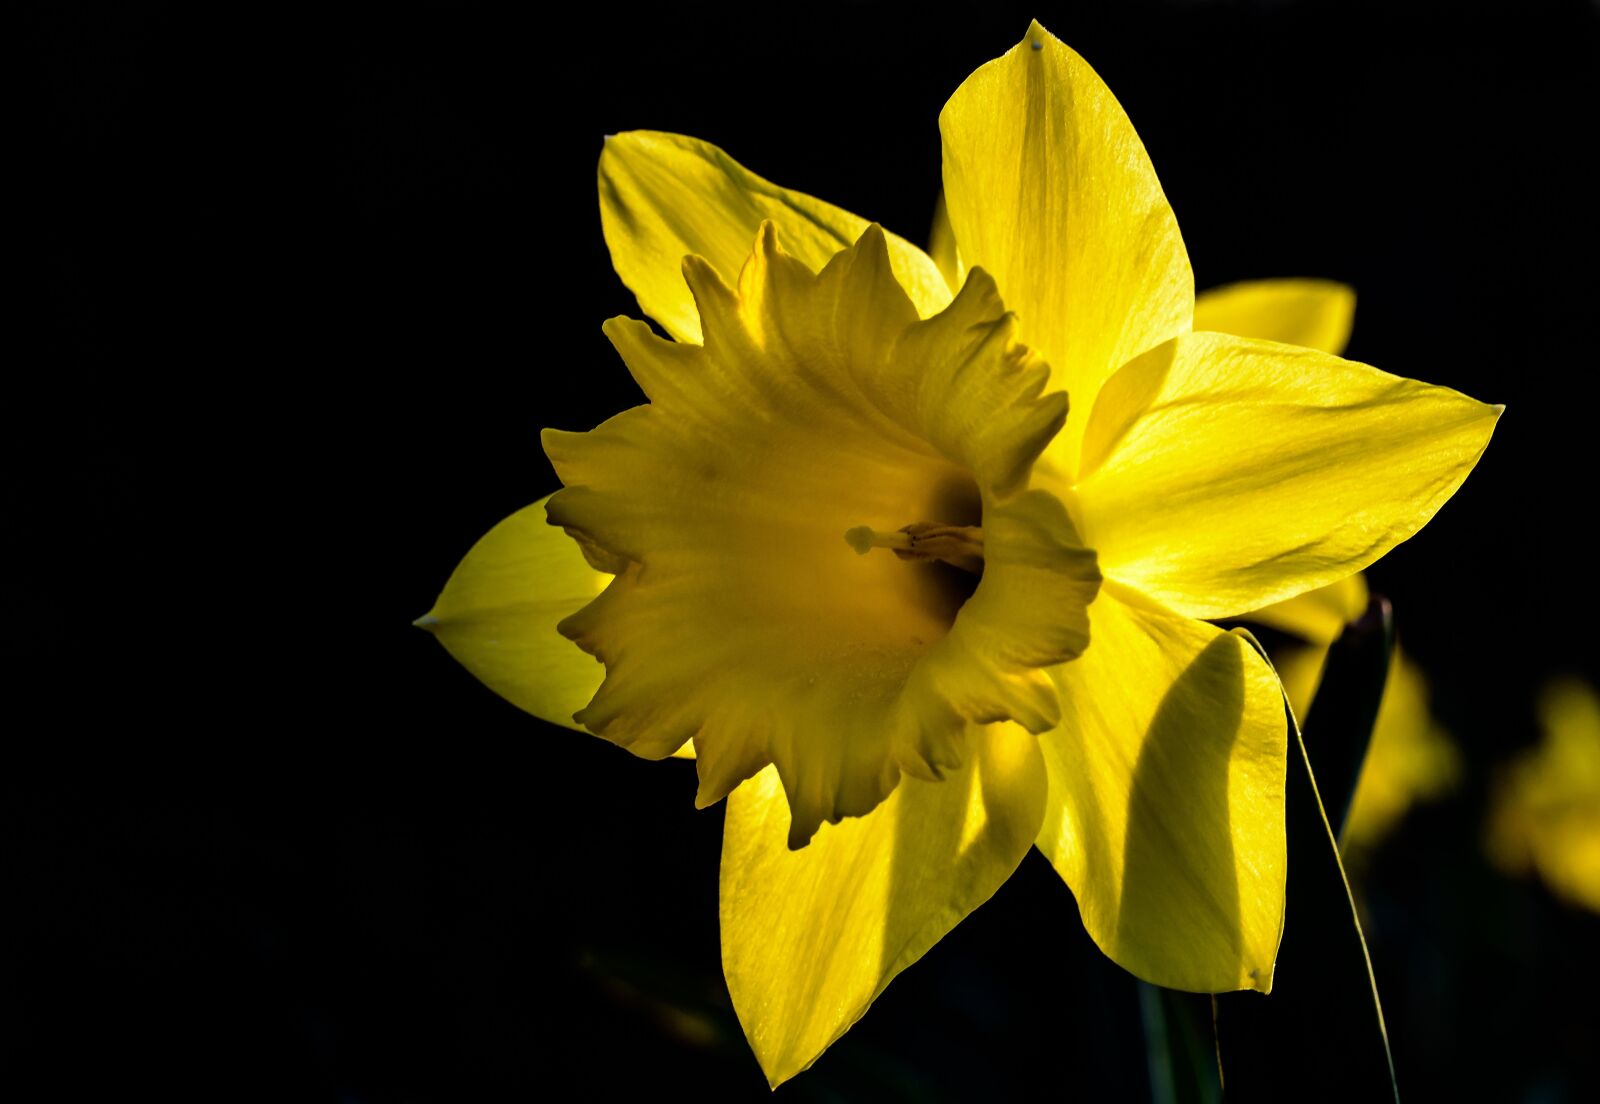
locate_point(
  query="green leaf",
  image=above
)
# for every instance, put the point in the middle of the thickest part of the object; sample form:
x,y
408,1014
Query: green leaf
x,y
1320,1033
1180,1045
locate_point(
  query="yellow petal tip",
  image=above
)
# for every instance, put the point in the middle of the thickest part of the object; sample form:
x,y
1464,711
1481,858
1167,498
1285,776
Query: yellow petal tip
x,y
427,621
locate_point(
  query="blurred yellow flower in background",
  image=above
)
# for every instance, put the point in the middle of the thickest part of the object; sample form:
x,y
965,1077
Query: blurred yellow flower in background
x,y
846,552
1545,813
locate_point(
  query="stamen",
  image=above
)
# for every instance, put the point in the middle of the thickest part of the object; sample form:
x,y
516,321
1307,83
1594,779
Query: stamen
x,y
957,545
864,539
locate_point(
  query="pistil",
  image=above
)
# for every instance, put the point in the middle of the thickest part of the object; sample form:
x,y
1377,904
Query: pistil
x,y
957,545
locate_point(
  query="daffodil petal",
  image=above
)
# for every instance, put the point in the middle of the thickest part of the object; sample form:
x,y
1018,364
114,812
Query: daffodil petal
x,y
1299,668
1166,813
811,937
1050,189
498,612
1314,313
943,249
1222,474
740,615
1317,616
665,196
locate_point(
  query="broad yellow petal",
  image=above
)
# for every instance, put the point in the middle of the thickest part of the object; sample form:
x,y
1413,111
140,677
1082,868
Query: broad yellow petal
x,y
1051,191
665,196
1313,313
1166,811
811,937
498,612
1317,616
1222,474
741,615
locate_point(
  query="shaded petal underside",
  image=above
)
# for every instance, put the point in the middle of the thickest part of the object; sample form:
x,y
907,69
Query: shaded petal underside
x,y
1314,313
1317,616
1411,758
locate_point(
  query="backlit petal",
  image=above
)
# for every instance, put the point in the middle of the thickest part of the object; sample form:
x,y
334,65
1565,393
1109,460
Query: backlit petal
x,y
664,196
1317,616
1051,191
498,612
1313,313
740,615
811,937
1222,474
1318,315
1165,813
1299,668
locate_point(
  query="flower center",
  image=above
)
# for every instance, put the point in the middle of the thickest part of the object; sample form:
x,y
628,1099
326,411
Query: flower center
x,y
820,403
943,559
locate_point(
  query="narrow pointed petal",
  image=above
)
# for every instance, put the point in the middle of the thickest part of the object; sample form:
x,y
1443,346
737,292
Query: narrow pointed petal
x,y
1222,474
1050,189
498,612
1166,812
1314,313
811,937
665,196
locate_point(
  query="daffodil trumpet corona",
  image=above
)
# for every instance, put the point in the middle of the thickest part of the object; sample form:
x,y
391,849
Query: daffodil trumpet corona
x,y
910,613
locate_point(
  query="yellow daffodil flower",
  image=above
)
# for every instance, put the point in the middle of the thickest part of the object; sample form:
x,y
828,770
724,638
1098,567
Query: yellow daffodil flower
x,y
1545,815
1410,757
852,545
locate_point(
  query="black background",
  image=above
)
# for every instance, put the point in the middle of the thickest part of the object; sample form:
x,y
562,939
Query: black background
x,y
298,294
